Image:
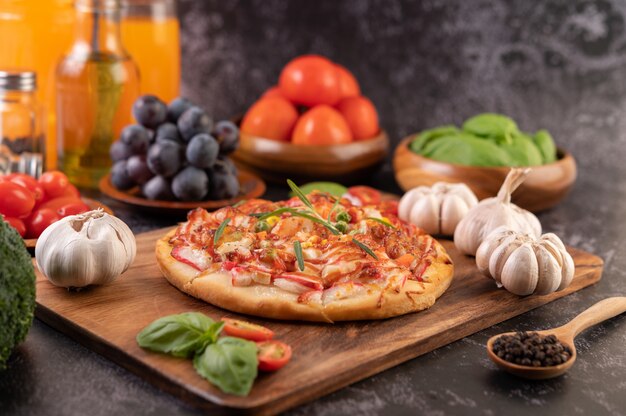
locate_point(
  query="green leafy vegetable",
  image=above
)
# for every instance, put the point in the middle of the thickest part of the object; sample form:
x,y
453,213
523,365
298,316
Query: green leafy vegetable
x,y
180,335
486,140
297,248
230,363
220,231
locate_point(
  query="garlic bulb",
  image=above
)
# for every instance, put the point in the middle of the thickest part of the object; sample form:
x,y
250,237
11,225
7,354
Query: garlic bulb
x,y
524,264
93,248
492,213
437,209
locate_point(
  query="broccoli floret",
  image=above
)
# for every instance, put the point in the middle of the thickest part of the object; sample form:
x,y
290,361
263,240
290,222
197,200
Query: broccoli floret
x,y
17,291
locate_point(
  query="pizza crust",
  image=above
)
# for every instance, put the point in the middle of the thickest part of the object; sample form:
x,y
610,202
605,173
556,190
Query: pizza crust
x,y
273,302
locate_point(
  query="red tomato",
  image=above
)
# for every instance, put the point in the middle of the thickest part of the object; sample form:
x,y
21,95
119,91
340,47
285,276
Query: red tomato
x,y
15,200
348,85
365,194
272,118
321,125
66,205
310,80
273,92
71,190
29,183
39,220
17,224
54,183
247,330
361,116
273,355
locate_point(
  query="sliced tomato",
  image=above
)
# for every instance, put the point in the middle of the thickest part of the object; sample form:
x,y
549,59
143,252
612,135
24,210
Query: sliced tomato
x,y
273,355
367,195
247,330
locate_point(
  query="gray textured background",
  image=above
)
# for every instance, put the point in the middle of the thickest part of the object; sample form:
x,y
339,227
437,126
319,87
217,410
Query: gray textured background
x,y
559,65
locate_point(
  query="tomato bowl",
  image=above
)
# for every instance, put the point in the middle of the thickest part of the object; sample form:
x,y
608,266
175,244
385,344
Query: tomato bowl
x,y
544,187
276,161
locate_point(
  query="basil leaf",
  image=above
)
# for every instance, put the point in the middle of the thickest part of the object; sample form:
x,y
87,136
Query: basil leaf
x,y
496,126
230,363
546,146
180,335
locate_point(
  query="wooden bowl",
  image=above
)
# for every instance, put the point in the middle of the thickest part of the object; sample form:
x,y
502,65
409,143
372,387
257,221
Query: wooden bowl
x,y
91,203
544,187
277,161
251,187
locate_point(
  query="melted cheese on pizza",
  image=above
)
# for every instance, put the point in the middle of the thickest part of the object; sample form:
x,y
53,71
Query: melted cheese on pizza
x,y
335,267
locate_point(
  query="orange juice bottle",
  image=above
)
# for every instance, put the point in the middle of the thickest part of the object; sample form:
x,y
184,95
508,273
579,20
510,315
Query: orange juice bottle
x,y
150,32
33,35
96,85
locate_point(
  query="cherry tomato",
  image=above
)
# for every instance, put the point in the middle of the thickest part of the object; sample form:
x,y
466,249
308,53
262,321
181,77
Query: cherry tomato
x,y
39,220
365,194
361,116
29,183
247,330
348,85
54,183
272,118
72,191
273,355
273,92
310,80
321,125
17,224
66,205
15,200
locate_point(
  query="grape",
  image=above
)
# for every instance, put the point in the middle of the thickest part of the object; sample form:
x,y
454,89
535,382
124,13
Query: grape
x,y
227,135
224,185
202,151
177,107
164,158
137,137
224,164
119,176
190,184
138,170
168,131
158,188
120,151
194,121
149,111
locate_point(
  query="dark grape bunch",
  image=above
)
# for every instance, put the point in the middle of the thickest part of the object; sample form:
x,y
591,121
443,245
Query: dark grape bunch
x,y
175,152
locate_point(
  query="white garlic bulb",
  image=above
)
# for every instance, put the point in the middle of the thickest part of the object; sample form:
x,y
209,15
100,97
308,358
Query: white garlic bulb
x,y
93,248
524,264
492,213
437,209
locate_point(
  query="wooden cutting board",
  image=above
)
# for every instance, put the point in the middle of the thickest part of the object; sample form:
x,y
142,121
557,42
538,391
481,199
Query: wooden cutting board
x,y
325,357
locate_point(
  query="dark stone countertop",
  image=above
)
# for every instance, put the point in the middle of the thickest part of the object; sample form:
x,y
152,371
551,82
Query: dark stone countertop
x,y
554,64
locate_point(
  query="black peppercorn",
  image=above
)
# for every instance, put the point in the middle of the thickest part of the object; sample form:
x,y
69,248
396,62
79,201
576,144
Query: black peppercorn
x,y
531,349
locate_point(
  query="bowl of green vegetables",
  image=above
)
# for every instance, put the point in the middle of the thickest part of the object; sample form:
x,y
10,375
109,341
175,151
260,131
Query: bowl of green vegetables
x,y
480,154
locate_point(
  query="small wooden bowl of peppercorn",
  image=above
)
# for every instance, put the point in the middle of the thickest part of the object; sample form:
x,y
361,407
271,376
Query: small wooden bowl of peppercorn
x,y
544,187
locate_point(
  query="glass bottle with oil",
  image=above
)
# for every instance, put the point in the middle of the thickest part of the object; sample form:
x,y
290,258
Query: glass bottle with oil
x,y
96,84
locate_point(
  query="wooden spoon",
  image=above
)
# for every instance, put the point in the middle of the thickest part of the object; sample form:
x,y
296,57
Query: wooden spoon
x,y
599,312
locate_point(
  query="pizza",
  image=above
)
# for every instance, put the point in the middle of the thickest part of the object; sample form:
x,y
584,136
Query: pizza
x,y
323,260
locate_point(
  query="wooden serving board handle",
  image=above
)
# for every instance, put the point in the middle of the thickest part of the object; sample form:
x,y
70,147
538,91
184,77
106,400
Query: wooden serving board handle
x,y
601,311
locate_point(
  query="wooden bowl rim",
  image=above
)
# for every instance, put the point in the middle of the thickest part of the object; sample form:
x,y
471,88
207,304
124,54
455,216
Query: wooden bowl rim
x,y
92,203
127,197
565,157
382,137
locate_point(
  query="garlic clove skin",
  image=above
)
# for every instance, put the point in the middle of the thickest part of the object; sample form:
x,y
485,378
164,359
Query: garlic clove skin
x,y
521,262
495,212
437,209
85,249
524,264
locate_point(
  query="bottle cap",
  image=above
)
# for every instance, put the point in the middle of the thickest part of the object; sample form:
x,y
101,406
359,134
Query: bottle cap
x,y
18,80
